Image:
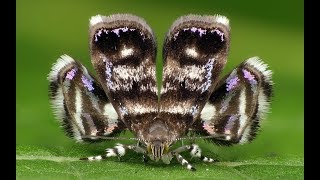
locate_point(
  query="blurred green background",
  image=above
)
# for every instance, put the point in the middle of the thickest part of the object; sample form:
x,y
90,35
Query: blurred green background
x,y
272,30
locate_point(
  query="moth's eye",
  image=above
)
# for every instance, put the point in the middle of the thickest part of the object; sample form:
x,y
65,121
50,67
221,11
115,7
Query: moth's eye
x,y
120,43
197,43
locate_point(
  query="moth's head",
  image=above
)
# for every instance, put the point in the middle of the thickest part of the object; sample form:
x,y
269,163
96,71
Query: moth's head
x,y
156,149
158,140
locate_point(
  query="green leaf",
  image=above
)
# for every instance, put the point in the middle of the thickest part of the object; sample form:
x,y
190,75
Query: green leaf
x,y
60,163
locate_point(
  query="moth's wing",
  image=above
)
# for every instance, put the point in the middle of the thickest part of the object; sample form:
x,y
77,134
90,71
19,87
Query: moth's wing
x,y
123,53
238,104
79,101
195,52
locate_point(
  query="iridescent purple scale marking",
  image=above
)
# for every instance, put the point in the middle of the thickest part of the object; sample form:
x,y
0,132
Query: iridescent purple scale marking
x,y
249,76
87,83
230,122
232,83
71,74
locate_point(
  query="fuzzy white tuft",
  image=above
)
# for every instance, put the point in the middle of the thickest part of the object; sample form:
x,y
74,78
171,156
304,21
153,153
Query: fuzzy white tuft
x,y
221,19
62,62
121,150
258,64
196,151
96,19
189,167
110,152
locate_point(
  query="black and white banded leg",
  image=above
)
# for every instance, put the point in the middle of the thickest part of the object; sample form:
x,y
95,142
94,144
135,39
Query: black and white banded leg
x,y
119,150
195,151
184,162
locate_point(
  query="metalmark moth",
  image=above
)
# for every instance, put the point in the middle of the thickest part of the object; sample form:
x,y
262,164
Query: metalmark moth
x,y
192,99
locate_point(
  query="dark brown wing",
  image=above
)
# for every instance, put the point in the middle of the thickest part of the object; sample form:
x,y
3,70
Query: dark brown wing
x,y
195,52
123,52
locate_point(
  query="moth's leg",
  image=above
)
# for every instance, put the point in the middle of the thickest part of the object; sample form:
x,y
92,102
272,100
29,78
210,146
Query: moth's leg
x,y
119,150
145,159
195,151
183,162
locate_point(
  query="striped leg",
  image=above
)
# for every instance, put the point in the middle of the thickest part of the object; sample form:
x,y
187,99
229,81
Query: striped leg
x,y
195,151
184,162
119,150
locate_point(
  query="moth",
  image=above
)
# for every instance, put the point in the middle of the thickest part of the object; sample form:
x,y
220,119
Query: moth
x,y
193,98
